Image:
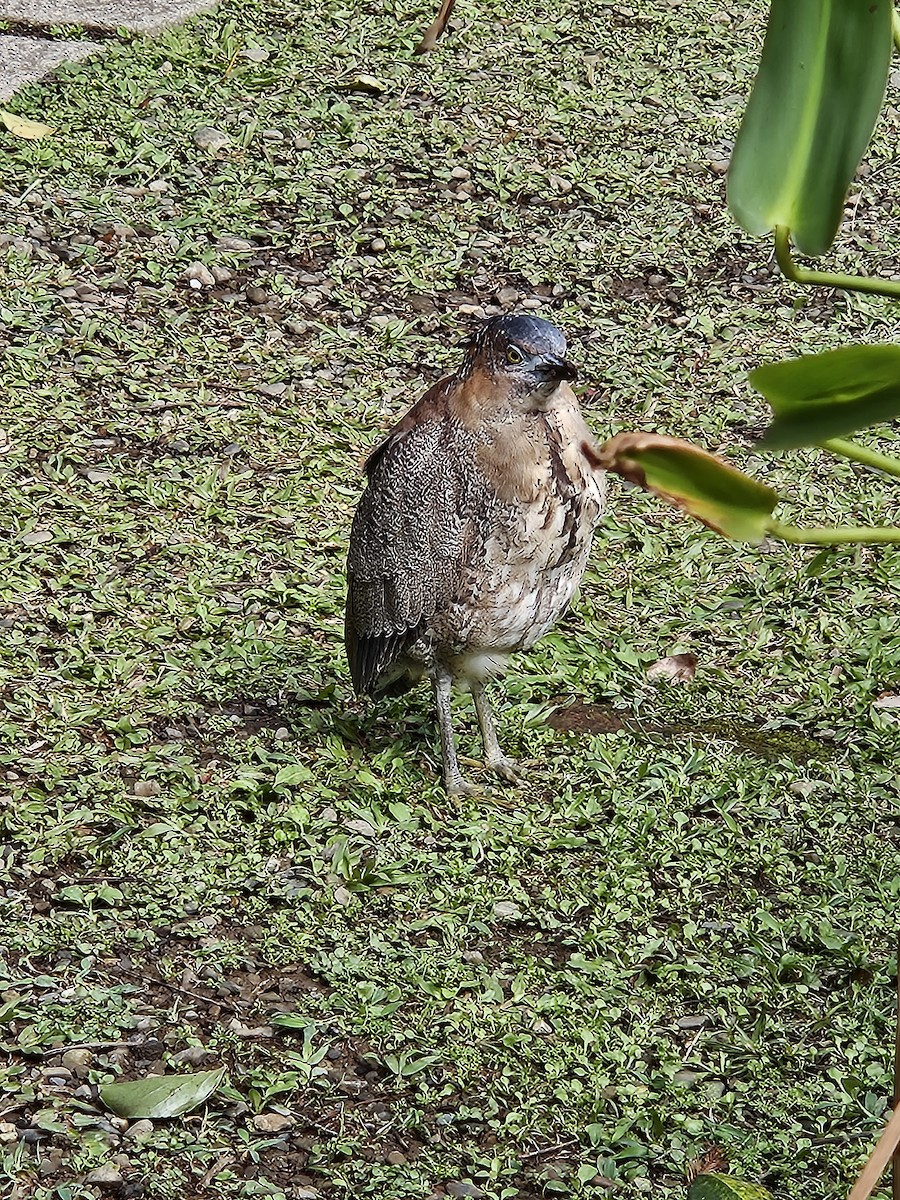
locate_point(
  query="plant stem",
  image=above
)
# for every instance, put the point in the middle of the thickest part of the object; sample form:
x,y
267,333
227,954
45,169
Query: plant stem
x,y
849,535
862,454
895,28
895,1100
851,283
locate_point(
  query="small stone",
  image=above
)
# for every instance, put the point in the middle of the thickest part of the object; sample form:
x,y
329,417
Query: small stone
x,y
78,1062
272,135
194,1055
396,1159
221,274
460,173
109,1175
472,956
508,296
255,54
282,733
145,788
56,1072
139,1131
377,245
198,276
8,1133
257,295
463,1188
695,1022
227,242
155,185
125,233
209,139
272,1122
507,910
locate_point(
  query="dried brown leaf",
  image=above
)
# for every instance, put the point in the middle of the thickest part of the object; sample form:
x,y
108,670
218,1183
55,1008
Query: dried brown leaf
x,y
675,668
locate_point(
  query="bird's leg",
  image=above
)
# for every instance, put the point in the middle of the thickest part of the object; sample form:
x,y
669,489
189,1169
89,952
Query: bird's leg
x,y
453,780
494,758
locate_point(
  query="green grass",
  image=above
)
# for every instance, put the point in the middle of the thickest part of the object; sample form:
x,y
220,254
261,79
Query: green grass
x,y
663,942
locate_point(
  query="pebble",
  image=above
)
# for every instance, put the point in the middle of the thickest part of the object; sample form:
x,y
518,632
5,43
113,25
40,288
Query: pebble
x,y
396,1159
109,1175
209,139
507,910
463,1188
459,173
139,1131
221,274
199,276
155,185
257,295
227,242
145,788
8,1133
272,1122
194,1055
377,245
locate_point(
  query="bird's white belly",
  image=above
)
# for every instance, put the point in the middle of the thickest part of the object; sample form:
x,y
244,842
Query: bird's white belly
x,y
531,570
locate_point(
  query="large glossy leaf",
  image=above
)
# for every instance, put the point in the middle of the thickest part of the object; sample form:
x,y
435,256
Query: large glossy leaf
x,y
821,396
161,1095
810,116
694,480
725,1187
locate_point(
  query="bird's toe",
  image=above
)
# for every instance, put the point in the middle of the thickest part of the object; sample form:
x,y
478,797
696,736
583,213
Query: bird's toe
x,y
507,769
461,787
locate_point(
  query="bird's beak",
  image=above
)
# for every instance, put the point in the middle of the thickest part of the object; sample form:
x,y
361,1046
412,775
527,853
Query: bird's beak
x,y
561,368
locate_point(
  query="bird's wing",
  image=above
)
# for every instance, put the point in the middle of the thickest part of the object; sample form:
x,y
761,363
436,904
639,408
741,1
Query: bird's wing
x,y
408,539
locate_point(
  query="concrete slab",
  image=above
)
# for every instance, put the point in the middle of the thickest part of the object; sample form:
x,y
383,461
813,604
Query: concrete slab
x,y
140,16
25,59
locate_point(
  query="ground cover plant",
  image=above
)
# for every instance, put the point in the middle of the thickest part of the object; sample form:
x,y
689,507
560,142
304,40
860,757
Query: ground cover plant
x,y
680,933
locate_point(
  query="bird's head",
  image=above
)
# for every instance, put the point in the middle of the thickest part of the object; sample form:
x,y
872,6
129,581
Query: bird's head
x,y
526,353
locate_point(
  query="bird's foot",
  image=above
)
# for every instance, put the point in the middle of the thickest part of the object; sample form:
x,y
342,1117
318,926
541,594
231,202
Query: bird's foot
x,y
507,769
457,786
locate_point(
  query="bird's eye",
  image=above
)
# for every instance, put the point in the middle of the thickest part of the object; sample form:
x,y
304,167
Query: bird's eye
x,y
514,355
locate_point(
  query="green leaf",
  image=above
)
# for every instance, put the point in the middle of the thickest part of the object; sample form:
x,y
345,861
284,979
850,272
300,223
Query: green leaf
x,y
811,113
821,396
725,1187
161,1095
292,774
695,481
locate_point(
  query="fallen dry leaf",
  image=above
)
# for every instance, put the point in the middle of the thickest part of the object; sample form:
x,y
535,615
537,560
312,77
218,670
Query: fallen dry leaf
x,y
712,1160
22,127
676,668
437,27
887,700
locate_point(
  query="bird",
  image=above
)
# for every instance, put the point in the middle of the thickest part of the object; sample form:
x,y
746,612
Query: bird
x,y
474,528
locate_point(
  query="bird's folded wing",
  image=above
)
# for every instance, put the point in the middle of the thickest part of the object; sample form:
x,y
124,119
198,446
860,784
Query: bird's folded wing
x,y
407,544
